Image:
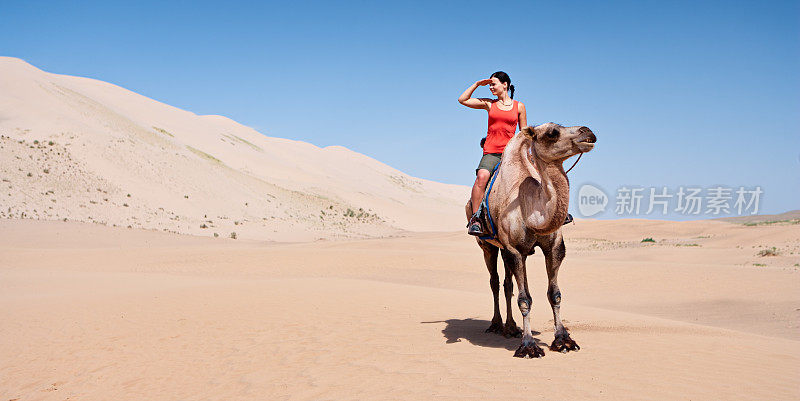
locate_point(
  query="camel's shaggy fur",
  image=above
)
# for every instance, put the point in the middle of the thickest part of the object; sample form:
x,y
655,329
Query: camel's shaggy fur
x,y
529,202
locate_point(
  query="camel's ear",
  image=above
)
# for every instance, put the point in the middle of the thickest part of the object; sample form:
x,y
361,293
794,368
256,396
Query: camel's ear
x,y
529,131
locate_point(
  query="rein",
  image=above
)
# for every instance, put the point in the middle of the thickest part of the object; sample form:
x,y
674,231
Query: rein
x,y
576,162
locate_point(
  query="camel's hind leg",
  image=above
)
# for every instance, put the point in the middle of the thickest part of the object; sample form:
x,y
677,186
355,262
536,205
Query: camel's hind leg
x,y
515,261
554,253
510,329
490,257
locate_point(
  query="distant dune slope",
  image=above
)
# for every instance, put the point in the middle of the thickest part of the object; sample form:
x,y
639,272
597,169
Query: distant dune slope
x,y
764,218
87,150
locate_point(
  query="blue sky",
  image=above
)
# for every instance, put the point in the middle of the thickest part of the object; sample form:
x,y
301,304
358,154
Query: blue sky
x,y
679,93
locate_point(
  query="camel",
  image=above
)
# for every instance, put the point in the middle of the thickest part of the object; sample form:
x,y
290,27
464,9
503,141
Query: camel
x,y
528,203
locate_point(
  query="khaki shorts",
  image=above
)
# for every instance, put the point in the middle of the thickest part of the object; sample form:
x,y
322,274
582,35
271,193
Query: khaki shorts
x,y
488,161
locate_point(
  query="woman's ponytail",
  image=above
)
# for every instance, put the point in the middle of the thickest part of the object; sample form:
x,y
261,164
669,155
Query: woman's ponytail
x,y
511,89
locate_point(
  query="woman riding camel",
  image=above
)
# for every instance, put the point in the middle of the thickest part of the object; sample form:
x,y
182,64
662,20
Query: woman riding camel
x,y
505,115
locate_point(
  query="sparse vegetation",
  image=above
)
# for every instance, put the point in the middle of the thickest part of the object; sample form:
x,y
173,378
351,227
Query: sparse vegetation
x,y
163,131
233,235
408,183
244,141
203,155
692,244
203,225
769,252
216,235
771,222
648,240
759,264
361,215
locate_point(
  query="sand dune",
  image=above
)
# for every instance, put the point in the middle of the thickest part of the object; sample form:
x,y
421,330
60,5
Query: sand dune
x,y
90,151
104,297
93,312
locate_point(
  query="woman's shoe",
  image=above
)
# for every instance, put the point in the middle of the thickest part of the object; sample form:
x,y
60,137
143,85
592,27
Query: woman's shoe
x,y
475,226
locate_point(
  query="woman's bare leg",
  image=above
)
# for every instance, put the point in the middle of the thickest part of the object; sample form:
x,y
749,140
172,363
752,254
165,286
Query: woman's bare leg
x,y
478,188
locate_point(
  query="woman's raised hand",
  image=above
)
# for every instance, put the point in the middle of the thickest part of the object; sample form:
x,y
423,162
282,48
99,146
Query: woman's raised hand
x,y
467,100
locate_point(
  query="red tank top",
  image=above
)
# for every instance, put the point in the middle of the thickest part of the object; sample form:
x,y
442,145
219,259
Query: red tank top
x,y
502,126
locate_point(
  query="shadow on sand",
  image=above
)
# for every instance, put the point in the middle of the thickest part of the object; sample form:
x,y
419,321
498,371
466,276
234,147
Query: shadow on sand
x,y
474,331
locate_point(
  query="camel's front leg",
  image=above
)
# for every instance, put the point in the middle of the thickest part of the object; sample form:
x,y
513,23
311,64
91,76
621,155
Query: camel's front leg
x,y
516,261
553,256
490,257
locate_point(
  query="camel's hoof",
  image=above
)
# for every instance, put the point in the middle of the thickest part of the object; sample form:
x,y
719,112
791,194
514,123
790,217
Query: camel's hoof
x,y
564,345
529,351
512,331
496,327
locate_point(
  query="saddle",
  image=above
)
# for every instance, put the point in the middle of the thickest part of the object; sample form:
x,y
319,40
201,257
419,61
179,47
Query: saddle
x,y
485,215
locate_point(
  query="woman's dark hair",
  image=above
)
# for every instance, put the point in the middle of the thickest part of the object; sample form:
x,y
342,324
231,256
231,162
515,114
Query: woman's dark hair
x,y
503,77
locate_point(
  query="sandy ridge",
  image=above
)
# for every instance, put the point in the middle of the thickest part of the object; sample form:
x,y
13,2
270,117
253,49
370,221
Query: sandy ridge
x,y
90,151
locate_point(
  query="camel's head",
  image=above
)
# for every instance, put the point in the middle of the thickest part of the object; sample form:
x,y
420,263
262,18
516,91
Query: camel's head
x,y
552,142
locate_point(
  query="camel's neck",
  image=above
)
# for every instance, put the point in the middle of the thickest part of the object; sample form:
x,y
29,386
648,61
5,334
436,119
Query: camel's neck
x,y
554,195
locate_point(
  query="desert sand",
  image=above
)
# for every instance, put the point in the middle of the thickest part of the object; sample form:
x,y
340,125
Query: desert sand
x,y
149,253
92,312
